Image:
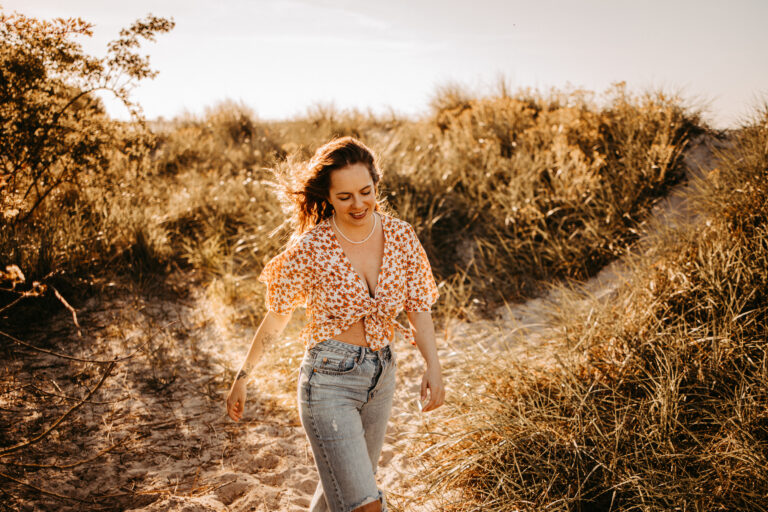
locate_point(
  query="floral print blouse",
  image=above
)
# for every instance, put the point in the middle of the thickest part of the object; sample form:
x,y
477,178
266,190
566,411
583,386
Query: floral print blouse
x,y
315,272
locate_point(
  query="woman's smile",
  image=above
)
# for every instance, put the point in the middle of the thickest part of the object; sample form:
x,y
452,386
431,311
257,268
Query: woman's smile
x,y
353,196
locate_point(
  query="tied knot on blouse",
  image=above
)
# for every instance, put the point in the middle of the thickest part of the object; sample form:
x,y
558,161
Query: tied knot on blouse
x,y
316,272
381,316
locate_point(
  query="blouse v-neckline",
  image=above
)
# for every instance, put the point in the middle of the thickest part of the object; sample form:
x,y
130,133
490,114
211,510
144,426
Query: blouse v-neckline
x,y
348,262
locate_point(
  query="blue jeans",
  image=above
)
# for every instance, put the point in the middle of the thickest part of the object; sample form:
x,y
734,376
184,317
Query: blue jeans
x,y
345,397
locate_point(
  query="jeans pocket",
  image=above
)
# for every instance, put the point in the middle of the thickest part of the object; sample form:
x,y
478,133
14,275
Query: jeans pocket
x,y
334,363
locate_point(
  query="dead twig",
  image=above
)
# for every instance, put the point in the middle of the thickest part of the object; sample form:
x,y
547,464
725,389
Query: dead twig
x,y
73,464
83,360
70,308
74,399
41,490
18,299
19,446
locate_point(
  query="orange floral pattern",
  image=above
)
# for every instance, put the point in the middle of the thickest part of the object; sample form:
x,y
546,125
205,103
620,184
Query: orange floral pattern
x,y
316,273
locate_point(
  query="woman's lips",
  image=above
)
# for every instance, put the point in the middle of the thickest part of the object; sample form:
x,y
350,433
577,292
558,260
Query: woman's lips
x,y
358,215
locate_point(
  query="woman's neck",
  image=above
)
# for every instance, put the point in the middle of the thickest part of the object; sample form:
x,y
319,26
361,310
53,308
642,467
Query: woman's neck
x,y
356,232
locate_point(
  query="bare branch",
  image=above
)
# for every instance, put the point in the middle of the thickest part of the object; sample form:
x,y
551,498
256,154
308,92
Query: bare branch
x,y
96,361
57,354
39,489
56,423
73,464
70,308
18,299
71,398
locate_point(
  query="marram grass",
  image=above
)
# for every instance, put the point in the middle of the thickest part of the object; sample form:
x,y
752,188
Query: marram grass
x,y
660,397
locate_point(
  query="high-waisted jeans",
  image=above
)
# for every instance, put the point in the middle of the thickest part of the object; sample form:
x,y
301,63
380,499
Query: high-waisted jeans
x,y
345,398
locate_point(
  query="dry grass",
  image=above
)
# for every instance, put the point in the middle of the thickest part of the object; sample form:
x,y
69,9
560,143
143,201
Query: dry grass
x,y
660,399
506,192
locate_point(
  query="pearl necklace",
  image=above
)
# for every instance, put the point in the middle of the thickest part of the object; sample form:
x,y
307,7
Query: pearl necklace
x,y
333,219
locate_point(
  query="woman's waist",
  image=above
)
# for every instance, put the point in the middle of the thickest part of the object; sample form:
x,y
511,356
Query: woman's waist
x,y
347,349
354,334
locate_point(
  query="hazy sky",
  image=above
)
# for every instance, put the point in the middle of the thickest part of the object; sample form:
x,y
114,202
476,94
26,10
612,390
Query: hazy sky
x,y
281,56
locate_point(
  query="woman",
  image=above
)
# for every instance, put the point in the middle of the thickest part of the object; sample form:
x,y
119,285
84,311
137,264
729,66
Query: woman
x,y
355,268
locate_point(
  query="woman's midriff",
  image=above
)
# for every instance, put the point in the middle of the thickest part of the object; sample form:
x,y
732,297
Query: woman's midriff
x,y
354,335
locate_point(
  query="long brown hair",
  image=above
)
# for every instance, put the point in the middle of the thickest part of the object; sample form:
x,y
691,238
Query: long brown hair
x,y
306,192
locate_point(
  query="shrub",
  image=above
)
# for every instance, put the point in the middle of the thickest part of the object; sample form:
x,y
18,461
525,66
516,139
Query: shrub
x,y
56,140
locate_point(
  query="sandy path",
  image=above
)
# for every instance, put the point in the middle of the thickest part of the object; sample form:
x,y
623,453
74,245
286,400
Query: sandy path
x,y
167,406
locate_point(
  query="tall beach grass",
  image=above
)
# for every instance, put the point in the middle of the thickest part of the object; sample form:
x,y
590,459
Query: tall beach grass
x,y
660,397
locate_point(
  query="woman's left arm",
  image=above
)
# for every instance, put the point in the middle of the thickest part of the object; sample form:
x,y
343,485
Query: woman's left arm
x,y
424,335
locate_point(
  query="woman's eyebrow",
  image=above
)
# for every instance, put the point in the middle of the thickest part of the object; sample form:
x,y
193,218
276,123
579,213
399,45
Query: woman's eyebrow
x,y
362,189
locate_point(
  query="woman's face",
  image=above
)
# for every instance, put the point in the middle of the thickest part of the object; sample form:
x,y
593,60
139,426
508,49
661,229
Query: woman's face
x,y
353,195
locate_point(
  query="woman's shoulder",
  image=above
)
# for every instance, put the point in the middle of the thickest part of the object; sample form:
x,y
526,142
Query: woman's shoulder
x,y
313,240
399,226
401,233
394,224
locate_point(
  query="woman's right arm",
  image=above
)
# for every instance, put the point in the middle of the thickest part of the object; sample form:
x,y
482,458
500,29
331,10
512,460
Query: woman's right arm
x,y
269,331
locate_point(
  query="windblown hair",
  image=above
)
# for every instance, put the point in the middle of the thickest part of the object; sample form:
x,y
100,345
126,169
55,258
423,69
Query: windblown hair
x,y
305,193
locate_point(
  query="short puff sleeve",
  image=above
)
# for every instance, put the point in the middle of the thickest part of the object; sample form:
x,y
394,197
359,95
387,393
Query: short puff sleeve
x,y
288,277
420,287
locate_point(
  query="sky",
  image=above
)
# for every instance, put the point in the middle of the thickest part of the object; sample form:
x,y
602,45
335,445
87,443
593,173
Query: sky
x,y
283,57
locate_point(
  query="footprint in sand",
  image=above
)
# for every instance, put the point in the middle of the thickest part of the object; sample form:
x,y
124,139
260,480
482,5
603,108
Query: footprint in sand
x,y
266,461
238,485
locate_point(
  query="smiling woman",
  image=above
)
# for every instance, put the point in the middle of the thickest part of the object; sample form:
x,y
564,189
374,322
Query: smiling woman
x,y
355,268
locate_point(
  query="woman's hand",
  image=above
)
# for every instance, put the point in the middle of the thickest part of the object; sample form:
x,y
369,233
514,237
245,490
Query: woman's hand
x,y
432,380
236,400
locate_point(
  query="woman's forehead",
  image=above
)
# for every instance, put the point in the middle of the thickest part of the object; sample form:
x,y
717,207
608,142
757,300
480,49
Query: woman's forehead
x,y
351,178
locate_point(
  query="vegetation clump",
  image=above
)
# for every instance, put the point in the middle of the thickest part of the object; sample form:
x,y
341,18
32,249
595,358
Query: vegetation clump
x,y
62,158
660,401
509,192
661,398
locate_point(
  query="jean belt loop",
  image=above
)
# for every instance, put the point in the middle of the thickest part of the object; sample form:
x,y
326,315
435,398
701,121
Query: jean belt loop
x,y
361,357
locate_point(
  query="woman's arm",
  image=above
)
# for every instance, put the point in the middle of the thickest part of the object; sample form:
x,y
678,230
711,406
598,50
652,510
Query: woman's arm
x,y
424,335
269,330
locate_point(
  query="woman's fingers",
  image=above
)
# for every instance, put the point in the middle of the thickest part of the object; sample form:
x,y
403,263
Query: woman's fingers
x,y
236,412
436,392
235,404
436,400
